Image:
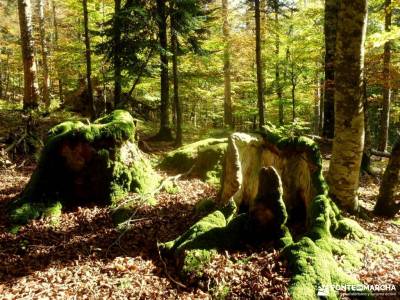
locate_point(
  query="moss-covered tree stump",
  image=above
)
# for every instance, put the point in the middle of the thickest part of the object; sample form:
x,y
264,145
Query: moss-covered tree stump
x,y
277,185
81,163
202,159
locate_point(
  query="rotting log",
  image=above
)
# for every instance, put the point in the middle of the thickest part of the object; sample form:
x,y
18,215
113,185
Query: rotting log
x,y
295,176
86,163
202,159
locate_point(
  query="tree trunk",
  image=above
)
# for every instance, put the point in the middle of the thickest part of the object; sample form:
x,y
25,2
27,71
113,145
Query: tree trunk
x,y
321,110
228,120
330,29
259,66
348,143
385,116
55,25
88,61
165,129
293,81
317,101
31,90
45,54
177,104
117,57
278,86
386,204
366,159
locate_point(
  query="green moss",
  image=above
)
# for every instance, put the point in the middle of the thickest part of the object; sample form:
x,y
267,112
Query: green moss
x,y
205,205
220,292
53,212
189,240
311,259
195,261
86,162
204,157
171,187
396,221
24,213
313,266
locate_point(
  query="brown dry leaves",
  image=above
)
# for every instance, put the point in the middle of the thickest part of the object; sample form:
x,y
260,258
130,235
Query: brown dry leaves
x,y
80,258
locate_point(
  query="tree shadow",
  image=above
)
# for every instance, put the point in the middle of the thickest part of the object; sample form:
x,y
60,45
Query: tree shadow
x,y
38,247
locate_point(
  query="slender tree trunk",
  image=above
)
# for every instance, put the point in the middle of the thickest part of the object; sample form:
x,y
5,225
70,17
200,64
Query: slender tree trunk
x,y
165,129
278,85
317,101
55,25
117,57
31,90
385,116
386,204
177,104
366,159
330,29
44,52
259,66
293,99
88,61
228,119
321,104
348,144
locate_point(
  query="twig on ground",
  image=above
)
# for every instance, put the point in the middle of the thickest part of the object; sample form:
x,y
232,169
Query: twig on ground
x,y
180,284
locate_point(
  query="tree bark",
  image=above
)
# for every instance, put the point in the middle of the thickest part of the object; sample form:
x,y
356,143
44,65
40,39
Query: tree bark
x,y
177,104
165,129
386,204
385,116
317,101
117,57
293,82
330,29
55,25
278,85
366,159
228,119
259,66
31,90
88,60
44,52
348,143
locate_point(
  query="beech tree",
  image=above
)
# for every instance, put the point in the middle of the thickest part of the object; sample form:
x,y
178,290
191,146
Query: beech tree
x,y
330,28
348,143
385,116
227,67
44,51
259,66
31,90
88,57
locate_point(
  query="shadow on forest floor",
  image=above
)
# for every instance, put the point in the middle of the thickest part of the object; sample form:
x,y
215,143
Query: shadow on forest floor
x,y
89,233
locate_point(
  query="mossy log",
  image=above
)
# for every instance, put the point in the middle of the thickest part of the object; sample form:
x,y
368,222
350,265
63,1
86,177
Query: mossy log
x,y
81,163
277,184
202,159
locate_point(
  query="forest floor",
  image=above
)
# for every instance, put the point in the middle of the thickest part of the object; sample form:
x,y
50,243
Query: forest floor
x,y
84,256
